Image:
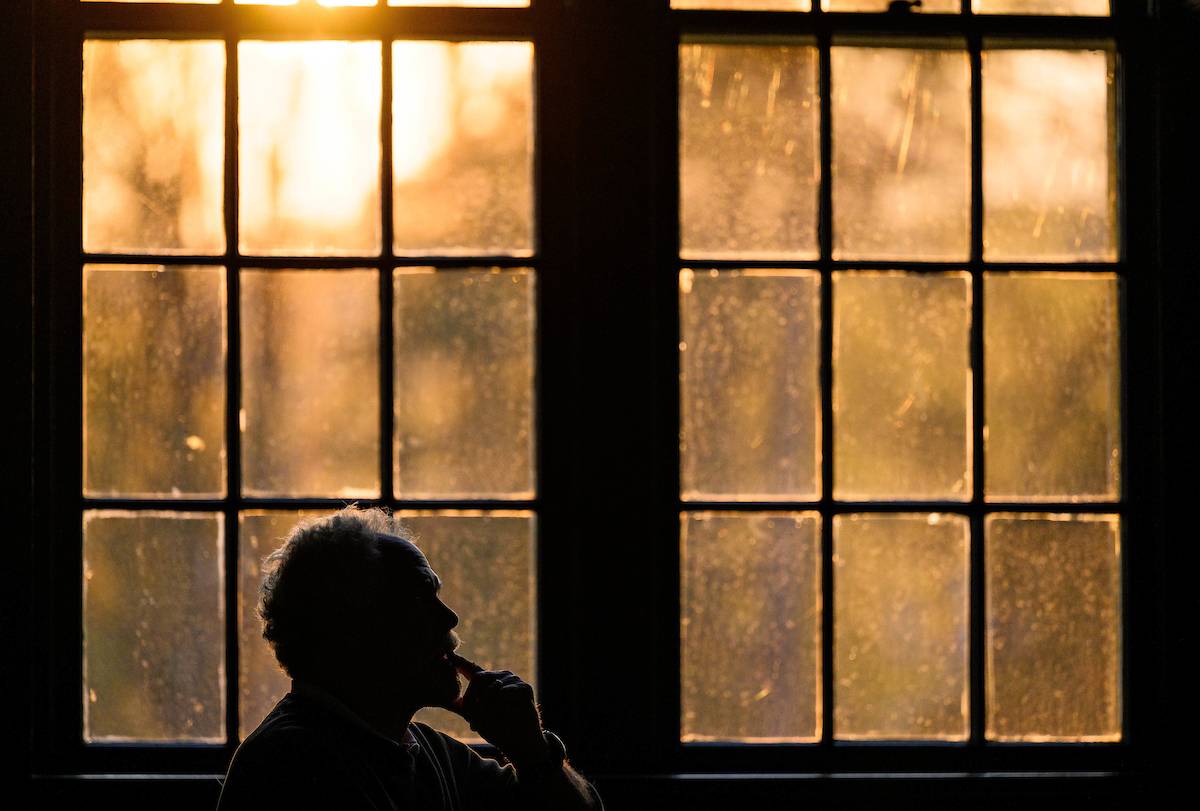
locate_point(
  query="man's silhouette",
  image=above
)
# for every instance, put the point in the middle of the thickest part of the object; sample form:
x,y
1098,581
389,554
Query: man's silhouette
x,y
351,608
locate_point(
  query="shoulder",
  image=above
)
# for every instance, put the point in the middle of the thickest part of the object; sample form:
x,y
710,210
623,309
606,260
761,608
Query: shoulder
x,y
288,758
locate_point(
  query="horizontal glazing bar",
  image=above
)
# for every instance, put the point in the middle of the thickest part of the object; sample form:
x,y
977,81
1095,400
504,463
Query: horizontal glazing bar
x,y
279,22
217,505
320,262
839,507
774,23
917,267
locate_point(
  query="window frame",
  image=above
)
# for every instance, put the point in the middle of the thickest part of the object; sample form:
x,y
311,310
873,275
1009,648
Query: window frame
x,y
591,60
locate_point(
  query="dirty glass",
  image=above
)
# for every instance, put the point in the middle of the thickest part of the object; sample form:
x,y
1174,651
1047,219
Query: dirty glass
x,y
750,387
1049,163
902,386
464,383
319,2
153,146
749,162
746,5
151,579
310,383
1095,8
901,592
926,7
309,151
1053,363
491,3
261,681
751,627
462,147
1053,627
486,561
153,381
901,153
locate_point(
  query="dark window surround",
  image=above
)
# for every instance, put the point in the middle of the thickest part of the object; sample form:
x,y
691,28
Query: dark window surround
x,y
607,248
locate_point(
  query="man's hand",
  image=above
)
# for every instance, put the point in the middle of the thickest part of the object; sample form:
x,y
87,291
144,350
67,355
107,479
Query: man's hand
x,y
500,706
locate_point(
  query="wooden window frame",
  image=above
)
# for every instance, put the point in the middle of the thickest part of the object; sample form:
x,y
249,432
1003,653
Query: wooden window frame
x,y
608,500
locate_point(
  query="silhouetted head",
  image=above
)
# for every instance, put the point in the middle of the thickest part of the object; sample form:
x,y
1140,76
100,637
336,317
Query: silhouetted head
x,y
349,600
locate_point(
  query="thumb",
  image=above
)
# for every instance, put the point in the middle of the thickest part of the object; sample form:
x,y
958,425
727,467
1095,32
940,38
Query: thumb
x,y
468,670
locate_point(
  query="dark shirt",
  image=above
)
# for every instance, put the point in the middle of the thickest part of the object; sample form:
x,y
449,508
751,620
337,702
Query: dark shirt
x,y
312,752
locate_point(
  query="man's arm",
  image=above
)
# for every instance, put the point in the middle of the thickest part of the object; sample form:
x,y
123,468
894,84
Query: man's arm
x,y
500,706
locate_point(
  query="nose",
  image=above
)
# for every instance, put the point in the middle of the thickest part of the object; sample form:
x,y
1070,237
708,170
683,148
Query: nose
x,y
448,614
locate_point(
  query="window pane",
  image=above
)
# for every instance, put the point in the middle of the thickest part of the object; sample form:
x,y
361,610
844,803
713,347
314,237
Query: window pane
x,y
1052,356
1049,168
926,7
151,579
486,562
751,627
310,383
901,153
900,626
492,3
261,681
746,5
749,163
902,386
1088,7
1053,628
309,148
153,381
293,2
464,383
462,147
153,146
750,384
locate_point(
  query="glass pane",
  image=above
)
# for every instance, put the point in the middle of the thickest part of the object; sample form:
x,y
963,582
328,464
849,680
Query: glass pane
x,y
309,147
900,626
1052,356
746,5
751,627
153,146
261,681
491,3
151,579
902,385
1088,7
1053,628
749,374
749,162
901,153
926,6
293,2
153,381
310,383
487,563
462,147
1049,167
464,383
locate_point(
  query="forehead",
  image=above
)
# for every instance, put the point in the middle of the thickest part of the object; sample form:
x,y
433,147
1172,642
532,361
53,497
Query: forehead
x,y
405,561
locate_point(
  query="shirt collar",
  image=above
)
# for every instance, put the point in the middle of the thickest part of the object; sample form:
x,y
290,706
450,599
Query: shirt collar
x,y
332,704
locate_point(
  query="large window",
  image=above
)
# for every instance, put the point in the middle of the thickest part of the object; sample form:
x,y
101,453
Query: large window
x,y
754,373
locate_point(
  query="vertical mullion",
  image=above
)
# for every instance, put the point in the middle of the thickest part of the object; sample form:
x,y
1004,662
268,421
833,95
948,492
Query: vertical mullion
x,y
386,360
233,373
978,603
825,238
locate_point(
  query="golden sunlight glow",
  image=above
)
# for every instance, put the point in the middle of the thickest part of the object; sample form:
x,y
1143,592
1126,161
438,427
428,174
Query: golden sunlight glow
x,y
421,94
309,151
293,2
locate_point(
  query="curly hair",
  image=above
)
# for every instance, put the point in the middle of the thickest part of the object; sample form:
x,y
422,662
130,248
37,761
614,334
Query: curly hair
x,y
317,585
